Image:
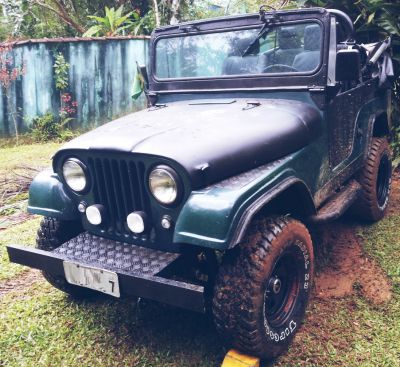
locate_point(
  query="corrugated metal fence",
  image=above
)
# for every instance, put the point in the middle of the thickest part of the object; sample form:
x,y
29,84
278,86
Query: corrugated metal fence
x,y
101,76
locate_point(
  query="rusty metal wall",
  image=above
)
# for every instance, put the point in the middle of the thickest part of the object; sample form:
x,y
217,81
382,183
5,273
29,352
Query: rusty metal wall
x,y
101,75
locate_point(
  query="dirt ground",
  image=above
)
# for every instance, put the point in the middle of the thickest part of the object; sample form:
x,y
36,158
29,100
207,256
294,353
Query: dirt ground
x,y
348,269
21,282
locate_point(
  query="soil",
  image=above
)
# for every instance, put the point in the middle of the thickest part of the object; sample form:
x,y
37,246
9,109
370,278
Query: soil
x,y
348,270
21,282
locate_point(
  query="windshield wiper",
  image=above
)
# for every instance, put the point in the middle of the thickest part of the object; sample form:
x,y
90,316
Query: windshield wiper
x,y
268,20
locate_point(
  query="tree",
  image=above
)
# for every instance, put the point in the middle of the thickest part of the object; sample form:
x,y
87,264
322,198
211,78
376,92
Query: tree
x,y
62,10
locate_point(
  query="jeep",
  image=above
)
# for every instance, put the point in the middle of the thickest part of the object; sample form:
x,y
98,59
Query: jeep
x,y
257,126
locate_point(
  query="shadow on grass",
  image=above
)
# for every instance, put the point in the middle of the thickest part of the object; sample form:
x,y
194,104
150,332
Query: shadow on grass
x,y
183,337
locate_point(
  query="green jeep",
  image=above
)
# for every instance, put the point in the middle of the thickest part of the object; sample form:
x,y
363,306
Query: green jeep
x,y
257,125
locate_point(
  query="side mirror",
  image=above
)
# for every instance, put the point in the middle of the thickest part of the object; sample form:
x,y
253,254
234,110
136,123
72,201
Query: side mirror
x,y
348,65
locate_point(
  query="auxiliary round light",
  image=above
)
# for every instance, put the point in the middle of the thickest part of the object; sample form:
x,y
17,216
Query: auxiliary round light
x,y
166,222
163,184
74,174
136,222
94,214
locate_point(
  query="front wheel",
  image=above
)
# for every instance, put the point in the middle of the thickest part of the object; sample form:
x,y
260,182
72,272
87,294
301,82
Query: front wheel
x,y
51,234
263,287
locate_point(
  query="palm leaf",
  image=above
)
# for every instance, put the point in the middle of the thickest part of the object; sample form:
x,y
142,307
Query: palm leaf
x,y
121,20
389,26
98,19
92,31
118,12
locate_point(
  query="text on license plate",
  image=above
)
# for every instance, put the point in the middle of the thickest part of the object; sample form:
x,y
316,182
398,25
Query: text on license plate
x,y
94,278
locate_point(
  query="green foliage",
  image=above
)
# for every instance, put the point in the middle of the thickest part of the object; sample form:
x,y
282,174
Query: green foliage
x,y
49,128
61,68
145,24
45,128
4,29
114,23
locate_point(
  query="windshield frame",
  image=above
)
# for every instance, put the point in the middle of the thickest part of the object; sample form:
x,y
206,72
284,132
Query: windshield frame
x,y
284,80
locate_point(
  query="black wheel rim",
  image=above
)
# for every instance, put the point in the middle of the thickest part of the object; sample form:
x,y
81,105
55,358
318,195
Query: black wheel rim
x,y
279,302
383,180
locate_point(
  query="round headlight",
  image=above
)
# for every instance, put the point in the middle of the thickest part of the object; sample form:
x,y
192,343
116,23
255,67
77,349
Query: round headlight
x,y
74,174
163,184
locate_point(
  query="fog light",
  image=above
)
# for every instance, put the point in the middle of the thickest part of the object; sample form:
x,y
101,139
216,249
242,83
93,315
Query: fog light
x,y
136,222
82,207
166,222
94,214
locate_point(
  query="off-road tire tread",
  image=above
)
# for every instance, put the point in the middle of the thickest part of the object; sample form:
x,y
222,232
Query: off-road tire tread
x,y
51,234
234,312
366,207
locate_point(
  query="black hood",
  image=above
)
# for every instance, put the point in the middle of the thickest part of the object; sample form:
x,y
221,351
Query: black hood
x,y
211,141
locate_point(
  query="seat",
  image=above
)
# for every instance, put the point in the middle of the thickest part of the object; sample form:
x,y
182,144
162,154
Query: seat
x,y
289,46
309,59
236,64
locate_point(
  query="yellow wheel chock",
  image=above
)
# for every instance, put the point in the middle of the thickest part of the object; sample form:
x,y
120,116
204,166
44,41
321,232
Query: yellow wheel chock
x,y
235,359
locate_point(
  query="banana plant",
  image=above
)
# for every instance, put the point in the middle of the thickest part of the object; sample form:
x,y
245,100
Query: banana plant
x,y
114,23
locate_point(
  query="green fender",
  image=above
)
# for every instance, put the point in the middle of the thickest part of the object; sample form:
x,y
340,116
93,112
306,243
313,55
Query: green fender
x,y
47,197
217,216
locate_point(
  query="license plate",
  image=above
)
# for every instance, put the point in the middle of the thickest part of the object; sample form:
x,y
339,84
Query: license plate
x,y
94,278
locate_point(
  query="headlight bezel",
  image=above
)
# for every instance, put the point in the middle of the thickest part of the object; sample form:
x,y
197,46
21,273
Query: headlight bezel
x,y
175,177
84,169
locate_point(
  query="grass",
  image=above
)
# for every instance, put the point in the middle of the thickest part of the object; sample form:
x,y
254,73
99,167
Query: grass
x,y
40,326
22,234
17,165
32,154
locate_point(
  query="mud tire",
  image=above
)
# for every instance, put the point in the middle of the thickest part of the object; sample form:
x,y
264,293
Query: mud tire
x,y
242,296
375,179
51,234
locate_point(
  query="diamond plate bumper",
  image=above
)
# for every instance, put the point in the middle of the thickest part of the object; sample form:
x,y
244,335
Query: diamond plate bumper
x,y
139,269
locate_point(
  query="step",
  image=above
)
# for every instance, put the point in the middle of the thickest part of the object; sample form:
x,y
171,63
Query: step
x,y
115,256
140,271
338,204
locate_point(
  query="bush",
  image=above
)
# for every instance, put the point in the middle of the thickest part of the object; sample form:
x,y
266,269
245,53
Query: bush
x,y
48,127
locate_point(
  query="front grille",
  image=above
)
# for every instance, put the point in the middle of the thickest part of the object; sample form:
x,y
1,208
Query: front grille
x,y
119,186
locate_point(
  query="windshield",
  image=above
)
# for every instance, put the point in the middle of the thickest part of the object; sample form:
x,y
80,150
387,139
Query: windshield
x,y
280,49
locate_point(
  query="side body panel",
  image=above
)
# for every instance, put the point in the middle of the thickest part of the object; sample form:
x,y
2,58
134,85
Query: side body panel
x,y
214,217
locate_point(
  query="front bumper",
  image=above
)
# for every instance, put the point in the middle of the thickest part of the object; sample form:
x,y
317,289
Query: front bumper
x,y
141,272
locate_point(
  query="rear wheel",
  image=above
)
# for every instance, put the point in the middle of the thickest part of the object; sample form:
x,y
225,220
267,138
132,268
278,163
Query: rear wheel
x,y
51,234
375,179
263,287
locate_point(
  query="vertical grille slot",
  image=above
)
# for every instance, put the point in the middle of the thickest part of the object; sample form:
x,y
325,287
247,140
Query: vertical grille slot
x,y
125,190
134,180
118,185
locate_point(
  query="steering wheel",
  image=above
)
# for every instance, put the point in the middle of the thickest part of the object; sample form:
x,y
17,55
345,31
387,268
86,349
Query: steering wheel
x,y
279,68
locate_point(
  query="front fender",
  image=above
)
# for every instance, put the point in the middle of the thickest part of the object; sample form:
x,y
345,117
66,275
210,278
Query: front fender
x,y
217,216
48,197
